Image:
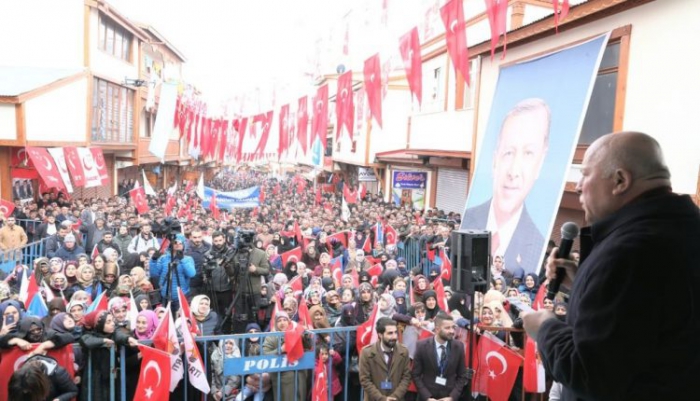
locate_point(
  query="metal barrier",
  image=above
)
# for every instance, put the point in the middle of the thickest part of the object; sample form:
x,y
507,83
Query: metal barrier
x,y
274,363
410,250
25,255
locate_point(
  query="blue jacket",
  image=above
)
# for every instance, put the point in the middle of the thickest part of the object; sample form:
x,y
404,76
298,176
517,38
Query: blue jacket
x,y
185,271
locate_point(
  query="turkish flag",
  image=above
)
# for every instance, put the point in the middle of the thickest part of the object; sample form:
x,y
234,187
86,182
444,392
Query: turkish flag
x,y
533,371
223,140
440,292
390,235
538,303
204,137
293,345
75,167
10,361
367,247
373,87
154,378
138,195
164,246
429,252
241,135
261,197
498,368
6,207
446,266
284,131
265,121
456,36
100,164
344,105
293,255
302,122
350,195
304,315
45,166
95,252
317,199
366,334
213,207
375,270
320,120
297,232
296,283
319,391
169,205
497,11
564,11
341,236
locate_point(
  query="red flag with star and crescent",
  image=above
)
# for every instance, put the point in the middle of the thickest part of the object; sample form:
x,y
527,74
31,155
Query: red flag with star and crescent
x,y
45,166
456,36
498,368
409,46
319,123
214,207
138,195
366,334
302,123
320,389
446,266
154,378
6,207
373,86
293,344
344,105
497,12
293,255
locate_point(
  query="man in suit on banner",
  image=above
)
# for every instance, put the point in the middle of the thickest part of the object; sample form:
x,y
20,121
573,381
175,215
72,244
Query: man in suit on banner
x,y
520,152
439,364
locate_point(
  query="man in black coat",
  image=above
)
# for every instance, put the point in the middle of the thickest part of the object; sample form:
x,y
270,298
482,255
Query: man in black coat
x,y
439,365
622,339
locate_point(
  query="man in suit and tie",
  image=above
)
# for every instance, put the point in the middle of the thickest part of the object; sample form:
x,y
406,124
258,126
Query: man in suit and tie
x,y
520,153
385,371
439,365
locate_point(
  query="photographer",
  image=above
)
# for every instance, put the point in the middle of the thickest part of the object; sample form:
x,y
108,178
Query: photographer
x,y
249,265
197,248
215,272
181,267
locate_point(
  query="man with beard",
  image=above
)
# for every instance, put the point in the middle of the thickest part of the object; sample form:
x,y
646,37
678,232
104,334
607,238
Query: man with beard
x,y
384,366
220,283
197,248
445,380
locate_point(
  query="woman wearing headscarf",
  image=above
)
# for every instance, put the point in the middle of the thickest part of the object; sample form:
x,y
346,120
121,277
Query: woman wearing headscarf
x,y
30,330
431,304
41,270
100,336
387,308
88,282
222,387
138,275
118,308
146,323
207,320
143,302
11,313
365,303
55,306
274,345
58,285
419,286
64,323
290,270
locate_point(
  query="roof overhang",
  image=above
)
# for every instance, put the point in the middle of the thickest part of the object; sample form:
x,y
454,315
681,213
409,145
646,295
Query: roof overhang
x,y
418,156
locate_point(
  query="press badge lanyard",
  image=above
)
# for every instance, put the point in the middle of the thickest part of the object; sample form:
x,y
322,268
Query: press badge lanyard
x,y
441,380
386,384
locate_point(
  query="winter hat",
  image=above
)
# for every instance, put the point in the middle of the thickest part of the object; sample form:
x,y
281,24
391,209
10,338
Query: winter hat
x,y
254,326
281,314
69,238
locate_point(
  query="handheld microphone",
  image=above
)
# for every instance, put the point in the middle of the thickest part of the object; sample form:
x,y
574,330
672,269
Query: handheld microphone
x,y
569,232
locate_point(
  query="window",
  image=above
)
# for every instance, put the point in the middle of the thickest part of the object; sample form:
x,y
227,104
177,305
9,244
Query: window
x,y
434,81
466,94
605,110
150,123
114,39
112,112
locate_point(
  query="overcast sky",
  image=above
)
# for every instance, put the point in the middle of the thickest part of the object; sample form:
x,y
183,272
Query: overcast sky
x,y
235,45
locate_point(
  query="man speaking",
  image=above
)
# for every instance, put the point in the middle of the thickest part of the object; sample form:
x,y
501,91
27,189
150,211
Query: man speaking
x,y
634,310
520,152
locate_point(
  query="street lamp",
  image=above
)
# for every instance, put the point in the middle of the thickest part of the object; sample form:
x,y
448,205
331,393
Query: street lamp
x,y
135,82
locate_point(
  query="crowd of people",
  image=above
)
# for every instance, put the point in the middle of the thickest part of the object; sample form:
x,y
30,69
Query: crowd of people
x,y
104,247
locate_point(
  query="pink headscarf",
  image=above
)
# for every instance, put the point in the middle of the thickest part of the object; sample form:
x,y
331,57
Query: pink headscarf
x,y
151,324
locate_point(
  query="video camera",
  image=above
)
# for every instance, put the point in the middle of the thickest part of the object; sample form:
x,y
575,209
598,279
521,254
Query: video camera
x,y
170,228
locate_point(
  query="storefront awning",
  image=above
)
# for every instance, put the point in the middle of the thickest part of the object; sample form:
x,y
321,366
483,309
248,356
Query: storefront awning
x,y
418,156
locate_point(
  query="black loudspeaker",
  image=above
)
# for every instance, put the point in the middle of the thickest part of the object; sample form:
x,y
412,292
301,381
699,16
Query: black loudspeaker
x,y
471,261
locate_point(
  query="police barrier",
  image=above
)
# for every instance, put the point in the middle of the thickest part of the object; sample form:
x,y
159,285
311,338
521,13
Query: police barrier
x,y
24,255
272,364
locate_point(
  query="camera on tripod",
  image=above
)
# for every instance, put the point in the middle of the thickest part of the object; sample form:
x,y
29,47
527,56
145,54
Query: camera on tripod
x,y
170,228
